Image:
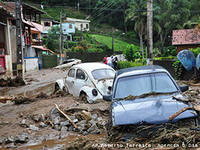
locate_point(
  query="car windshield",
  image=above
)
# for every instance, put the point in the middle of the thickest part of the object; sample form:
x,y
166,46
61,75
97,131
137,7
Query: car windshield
x,y
104,73
143,84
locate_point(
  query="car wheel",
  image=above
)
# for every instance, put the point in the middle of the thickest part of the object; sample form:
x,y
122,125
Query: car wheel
x,y
66,90
83,97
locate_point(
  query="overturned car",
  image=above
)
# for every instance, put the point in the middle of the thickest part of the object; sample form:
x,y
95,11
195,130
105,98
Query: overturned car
x,y
88,81
146,95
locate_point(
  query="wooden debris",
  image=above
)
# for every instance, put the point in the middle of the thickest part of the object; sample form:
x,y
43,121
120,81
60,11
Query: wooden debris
x,y
75,126
178,113
5,99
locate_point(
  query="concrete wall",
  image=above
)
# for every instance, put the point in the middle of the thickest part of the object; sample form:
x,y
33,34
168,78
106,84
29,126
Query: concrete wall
x,y
31,64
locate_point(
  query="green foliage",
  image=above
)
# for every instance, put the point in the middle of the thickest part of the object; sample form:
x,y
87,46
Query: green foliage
x,y
70,44
165,58
195,51
132,52
178,69
127,64
119,45
52,41
169,51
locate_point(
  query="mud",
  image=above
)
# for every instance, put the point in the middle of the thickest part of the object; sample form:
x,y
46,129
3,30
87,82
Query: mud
x,y
31,126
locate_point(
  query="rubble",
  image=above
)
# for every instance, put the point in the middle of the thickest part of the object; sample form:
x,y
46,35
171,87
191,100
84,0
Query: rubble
x,y
9,82
33,127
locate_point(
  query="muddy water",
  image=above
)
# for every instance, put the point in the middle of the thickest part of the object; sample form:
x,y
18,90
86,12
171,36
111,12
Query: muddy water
x,y
62,143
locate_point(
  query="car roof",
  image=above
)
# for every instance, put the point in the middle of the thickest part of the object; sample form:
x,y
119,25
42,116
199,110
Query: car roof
x,y
89,67
139,70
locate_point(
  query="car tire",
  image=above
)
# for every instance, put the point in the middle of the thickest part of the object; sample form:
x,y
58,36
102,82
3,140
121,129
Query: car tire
x,y
109,126
83,97
66,90
56,87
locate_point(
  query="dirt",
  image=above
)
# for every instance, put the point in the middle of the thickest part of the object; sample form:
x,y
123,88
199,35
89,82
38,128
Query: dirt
x,y
12,82
182,135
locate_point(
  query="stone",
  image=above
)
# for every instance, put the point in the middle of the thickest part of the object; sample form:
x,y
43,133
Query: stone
x,y
70,128
10,139
56,120
12,145
92,122
75,120
63,129
57,127
65,123
72,117
85,133
23,123
54,113
2,140
86,115
43,125
99,119
36,118
42,117
94,116
33,127
22,138
93,129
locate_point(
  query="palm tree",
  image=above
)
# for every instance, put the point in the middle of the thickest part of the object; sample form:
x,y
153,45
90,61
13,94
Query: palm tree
x,y
137,13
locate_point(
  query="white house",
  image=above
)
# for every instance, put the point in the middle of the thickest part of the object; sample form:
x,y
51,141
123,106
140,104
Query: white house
x,y
80,24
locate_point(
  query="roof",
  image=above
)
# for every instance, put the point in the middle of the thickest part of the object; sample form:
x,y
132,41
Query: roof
x,y
9,7
37,27
44,49
139,70
76,20
186,37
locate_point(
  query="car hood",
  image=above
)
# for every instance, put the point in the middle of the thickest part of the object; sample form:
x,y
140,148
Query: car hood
x,y
150,110
102,86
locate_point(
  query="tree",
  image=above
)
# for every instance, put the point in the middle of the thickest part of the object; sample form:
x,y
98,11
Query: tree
x,y
52,40
170,15
137,13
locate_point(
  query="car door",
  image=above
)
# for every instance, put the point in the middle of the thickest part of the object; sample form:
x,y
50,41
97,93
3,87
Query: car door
x,y
69,82
80,81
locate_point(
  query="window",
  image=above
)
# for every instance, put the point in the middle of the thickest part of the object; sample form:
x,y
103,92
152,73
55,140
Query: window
x,y
81,26
80,74
71,73
70,26
47,24
105,73
87,26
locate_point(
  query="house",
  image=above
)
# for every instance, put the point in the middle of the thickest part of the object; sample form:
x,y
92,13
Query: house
x,y
47,23
185,39
80,24
6,40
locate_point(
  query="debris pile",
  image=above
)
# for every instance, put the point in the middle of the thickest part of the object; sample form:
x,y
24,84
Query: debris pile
x,y
81,121
9,82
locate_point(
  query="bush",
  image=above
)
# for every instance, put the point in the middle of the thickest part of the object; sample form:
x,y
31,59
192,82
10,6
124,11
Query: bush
x,y
70,44
165,58
127,64
169,51
196,51
178,69
92,49
132,52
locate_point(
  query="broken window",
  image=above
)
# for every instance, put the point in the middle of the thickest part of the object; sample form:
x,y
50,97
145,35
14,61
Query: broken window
x,y
80,74
71,73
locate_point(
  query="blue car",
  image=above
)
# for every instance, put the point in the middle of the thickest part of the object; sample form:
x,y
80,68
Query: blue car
x,y
145,95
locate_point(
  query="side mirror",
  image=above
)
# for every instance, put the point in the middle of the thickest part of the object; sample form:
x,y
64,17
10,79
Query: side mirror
x,y
107,97
184,88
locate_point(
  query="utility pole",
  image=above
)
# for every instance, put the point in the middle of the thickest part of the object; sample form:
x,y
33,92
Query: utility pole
x,y
19,39
78,5
149,30
61,38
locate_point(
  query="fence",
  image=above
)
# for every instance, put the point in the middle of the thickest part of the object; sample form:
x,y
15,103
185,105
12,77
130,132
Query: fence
x,y
90,56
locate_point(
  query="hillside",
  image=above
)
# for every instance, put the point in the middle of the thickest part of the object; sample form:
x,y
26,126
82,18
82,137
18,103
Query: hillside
x,y
119,45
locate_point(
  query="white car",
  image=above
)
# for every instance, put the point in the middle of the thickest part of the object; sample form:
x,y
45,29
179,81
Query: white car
x,y
88,81
68,63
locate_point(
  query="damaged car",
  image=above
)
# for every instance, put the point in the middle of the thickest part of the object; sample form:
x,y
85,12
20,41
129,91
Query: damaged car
x,y
146,95
88,81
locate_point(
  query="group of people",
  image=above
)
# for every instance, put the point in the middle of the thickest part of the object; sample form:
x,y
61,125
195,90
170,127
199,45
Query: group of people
x,y
111,61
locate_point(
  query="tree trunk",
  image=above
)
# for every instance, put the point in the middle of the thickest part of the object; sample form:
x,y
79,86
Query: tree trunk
x,y
141,45
149,28
162,44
